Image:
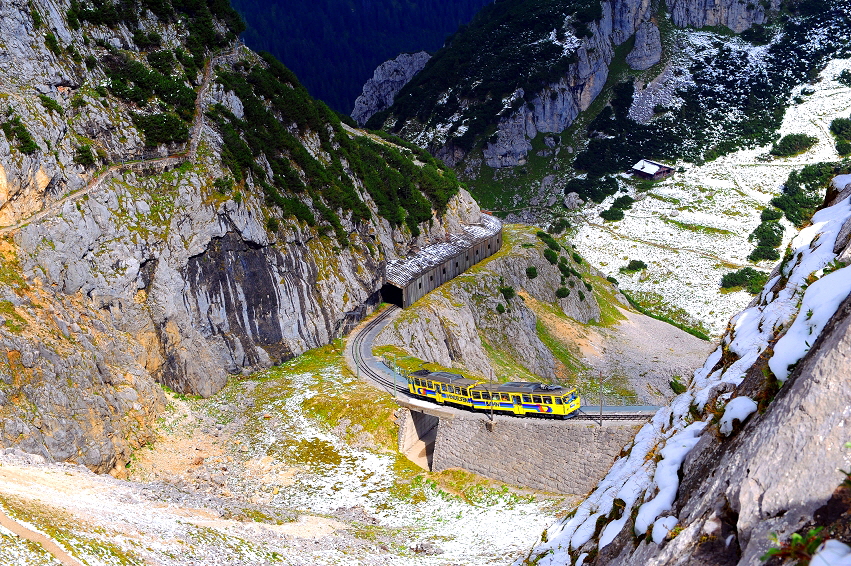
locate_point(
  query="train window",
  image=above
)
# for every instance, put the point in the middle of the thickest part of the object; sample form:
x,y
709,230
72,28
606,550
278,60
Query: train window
x,y
527,398
537,399
464,392
486,395
458,391
477,395
548,400
516,399
558,400
505,397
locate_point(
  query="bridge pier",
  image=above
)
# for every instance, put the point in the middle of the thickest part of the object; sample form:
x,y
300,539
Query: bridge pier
x,y
568,457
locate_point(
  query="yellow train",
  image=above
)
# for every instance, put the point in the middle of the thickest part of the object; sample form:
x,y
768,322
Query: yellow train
x,y
515,398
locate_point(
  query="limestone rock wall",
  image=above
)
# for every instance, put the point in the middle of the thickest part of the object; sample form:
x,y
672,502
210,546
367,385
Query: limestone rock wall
x,y
562,457
737,15
388,79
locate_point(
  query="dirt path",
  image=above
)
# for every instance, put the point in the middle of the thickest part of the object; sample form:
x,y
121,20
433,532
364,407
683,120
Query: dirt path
x,y
100,180
49,545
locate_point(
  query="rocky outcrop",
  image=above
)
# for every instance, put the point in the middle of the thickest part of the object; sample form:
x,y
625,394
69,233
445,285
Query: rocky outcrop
x,y
648,47
388,79
737,15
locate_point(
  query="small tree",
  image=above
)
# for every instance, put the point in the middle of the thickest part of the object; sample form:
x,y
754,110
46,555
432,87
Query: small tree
x,y
83,156
562,292
531,272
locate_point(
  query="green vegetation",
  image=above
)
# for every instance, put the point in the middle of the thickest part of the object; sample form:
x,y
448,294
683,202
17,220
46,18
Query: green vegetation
x,y
841,128
14,129
677,386
747,277
272,98
531,272
36,17
844,78
802,192
793,144
161,128
507,292
83,156
800,548
595,189
551,256
50,104
633,266
612,214
549,240
52,43
14,321
499,308
562,292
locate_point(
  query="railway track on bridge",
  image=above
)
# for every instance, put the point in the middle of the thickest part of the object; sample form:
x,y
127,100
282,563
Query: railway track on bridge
x,y
380,374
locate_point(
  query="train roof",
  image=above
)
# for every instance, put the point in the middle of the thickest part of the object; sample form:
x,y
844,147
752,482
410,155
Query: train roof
x,y
445,377
509,387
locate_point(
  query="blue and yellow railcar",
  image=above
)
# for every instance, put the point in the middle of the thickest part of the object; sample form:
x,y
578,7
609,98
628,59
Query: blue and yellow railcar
x,y
515,398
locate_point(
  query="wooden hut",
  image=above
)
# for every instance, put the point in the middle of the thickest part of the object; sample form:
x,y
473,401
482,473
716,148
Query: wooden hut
x,y
409,279
647,169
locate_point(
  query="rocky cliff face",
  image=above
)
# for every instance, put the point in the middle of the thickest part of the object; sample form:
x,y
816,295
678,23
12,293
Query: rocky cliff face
x,y
385,84
757,444
166,269
733,14
554,106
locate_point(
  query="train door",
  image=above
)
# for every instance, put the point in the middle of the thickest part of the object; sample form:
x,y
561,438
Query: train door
x,y
518,404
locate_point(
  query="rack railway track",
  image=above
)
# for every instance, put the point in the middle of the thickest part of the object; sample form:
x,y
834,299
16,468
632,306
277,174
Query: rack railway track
x,y
380,374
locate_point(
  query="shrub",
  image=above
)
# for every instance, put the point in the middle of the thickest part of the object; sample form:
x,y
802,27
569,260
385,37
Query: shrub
x,y
676,386
551,256
770,214
623,202
576,257
841,128
588,286
50,104
83,156
768,234
272,224
581,296
844,78
612,280
549,240
36,17
507,292
499,308
793,144
562,292
764,252
223,185
747,277
531,272
633,266
14,128
91,62
843,148
52,43
78,102
612,214
161,128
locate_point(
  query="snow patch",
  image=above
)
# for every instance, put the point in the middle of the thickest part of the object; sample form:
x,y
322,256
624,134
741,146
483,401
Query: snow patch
x,y
738,409
662,527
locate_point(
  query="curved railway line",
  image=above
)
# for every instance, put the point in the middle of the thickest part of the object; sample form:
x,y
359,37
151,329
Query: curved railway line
x,y
377,372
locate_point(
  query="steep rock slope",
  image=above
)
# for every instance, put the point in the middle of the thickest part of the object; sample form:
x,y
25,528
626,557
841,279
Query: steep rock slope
x,y
185,209
760,434
388,79
459,102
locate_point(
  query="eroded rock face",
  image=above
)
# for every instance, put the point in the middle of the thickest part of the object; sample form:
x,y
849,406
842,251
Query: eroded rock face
x,y
648,47
388,79
735,14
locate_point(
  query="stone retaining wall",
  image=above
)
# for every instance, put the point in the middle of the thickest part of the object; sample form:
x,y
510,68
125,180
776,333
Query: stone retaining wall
x,y
558,456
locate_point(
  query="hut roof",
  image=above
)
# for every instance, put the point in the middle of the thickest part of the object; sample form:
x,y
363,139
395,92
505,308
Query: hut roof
x,y
400,272
649,167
